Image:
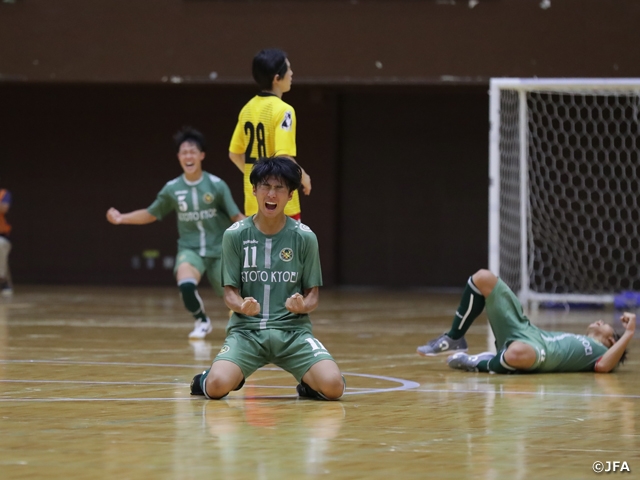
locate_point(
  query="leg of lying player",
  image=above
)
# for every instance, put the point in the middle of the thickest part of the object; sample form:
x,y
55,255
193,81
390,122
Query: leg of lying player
x,y
323,381
472,302
517,356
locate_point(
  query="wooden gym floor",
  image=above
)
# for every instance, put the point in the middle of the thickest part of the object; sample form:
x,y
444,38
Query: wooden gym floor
x,y
94,384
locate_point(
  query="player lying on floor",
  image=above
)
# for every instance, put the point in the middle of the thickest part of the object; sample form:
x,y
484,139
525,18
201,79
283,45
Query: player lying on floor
x,y
521,346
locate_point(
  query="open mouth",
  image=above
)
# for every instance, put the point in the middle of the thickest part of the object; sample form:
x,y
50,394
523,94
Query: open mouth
x,y
270,206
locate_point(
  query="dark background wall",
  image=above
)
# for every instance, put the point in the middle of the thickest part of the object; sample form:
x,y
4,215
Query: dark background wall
x,y
392,105
330,41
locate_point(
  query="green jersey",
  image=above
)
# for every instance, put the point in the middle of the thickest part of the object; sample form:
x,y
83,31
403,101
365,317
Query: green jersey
x,y
204,209
270,269
568,352
555,351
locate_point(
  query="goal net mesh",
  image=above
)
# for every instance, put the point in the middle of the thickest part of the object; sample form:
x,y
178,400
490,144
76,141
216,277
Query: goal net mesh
x,y
582,226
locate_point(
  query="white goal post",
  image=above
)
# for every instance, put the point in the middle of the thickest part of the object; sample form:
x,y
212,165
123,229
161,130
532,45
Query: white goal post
x,y
564,187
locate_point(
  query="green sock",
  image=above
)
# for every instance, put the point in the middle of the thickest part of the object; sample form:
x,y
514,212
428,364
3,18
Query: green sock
x,y
191,299
496,365
471,305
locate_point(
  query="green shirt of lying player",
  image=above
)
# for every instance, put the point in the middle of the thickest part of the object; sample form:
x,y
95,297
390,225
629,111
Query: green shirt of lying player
x,y
271,277
204,208
521,346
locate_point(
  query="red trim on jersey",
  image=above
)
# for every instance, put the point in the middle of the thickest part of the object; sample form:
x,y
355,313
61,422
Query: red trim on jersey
x,y
595,366
296,216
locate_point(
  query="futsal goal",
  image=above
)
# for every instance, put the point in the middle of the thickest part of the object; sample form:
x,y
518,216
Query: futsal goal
x,y
564,194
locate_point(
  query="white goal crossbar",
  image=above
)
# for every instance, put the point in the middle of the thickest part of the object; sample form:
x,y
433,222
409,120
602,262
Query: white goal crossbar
x,y
564,192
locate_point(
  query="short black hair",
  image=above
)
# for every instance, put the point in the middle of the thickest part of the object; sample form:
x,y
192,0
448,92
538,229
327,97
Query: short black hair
x,y
191,135
266,65
282,168
616,337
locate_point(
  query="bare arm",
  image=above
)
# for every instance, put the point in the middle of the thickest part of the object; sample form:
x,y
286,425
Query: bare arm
x,y
238,159
137,217
248,306
610,359
238,217
306,179
297,303
4,207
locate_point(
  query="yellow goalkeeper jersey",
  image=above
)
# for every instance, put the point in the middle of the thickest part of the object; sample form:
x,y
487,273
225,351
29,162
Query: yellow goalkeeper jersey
x,y
266,127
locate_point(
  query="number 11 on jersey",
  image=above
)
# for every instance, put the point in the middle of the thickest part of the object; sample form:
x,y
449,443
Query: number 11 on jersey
x,y
254,254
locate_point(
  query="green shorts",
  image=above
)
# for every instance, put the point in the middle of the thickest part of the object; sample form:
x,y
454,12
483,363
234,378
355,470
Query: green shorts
x,y
508,321
293,351
212,266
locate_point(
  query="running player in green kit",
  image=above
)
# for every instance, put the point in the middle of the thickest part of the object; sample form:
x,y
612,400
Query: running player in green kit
x,y
523,347
271,276
204,208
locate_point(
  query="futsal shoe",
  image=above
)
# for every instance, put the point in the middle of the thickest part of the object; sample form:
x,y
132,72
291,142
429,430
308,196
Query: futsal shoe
x,y
305,391
468,363
201,329
196,384
441,345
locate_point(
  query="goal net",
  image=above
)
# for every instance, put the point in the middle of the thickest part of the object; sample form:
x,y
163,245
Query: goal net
x,y
564,194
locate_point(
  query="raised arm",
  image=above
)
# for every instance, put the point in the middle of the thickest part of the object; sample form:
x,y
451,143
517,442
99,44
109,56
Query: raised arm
x,y
610,359
306,179
137,217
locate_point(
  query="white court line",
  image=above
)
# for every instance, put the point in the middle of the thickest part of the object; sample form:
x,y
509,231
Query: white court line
x,y
173,384
539,394
126,364
404,384
92,382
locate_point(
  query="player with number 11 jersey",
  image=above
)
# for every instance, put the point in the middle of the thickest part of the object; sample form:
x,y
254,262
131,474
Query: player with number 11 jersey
x,y
270,269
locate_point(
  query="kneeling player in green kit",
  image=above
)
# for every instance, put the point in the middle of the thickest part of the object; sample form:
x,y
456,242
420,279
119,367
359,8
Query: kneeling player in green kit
x,y
522,347
271,277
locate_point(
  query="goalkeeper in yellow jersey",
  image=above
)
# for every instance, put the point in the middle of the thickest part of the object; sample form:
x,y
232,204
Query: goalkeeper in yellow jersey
x,y
267,126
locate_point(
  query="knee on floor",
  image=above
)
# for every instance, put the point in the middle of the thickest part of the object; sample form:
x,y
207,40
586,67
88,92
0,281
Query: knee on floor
x,y
333,387
216,387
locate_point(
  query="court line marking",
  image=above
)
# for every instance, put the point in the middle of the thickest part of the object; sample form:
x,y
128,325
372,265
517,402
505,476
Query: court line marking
x,y
404,384
502,393
125,364
359,390
174,384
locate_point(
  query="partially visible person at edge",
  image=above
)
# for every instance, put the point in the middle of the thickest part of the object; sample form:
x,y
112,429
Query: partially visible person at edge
x,y
6,286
